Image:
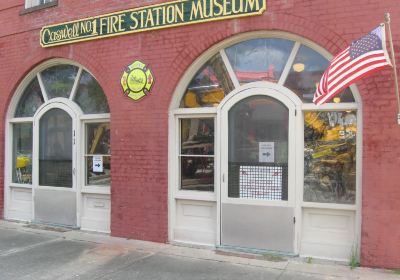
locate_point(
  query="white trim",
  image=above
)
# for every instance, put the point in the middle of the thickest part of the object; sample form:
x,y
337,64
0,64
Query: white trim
x,y
229,68
96,189
76,84
200,61
95,117
195,195
175,111
289,63
79,118
42,87
102,189
68,107
292,103
329,107
21,120
22,186
191,111
336,206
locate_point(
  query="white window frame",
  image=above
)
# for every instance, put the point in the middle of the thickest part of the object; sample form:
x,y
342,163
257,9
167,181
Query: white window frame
x,y
81,119
175,111
95,189
34,3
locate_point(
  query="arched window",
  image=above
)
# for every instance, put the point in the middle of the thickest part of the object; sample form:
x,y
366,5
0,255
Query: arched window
x,y
228,138
286,62
59,139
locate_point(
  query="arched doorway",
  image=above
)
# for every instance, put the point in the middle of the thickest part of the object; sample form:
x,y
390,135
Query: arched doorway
x,y
313,209
58,128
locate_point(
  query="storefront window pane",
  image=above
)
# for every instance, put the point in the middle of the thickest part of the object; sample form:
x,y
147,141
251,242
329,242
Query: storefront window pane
x,y
330,157
30,101
96,174
259,59
209,86
58,80
258,149
197,173
306,73
197,136
197,154
55,149
22,153
89,96
98,154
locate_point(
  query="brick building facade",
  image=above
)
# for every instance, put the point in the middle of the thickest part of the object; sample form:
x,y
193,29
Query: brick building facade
x,y
140,131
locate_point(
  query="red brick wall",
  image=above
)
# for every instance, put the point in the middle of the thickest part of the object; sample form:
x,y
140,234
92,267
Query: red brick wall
x,y
140,130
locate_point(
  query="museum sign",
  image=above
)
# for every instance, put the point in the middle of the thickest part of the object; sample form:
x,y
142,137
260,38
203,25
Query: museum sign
x,y
147,18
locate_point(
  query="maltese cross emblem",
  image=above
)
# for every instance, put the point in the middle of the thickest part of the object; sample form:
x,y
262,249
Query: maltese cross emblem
x,y
137,80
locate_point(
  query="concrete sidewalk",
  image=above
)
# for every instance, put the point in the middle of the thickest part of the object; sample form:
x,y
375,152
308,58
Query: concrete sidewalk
x,y
37,252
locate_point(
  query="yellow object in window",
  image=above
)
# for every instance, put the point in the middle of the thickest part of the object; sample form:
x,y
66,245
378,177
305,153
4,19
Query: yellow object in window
x,y
191,100
22,161
214,96
311,120
334,133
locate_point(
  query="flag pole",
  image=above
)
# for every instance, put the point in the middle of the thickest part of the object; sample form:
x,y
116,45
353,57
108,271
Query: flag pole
x,y
396,83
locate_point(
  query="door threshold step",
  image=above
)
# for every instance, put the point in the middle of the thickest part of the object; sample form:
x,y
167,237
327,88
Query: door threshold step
x,y
250,253
56,228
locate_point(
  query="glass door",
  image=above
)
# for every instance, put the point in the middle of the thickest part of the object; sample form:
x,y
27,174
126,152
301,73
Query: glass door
x,y
257,203
55,192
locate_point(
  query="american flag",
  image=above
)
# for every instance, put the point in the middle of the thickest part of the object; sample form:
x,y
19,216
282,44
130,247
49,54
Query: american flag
x,y
363,57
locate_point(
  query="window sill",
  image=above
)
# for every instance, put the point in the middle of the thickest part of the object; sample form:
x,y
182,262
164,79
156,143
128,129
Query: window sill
x,y
38,8
195,195
336,206
96,190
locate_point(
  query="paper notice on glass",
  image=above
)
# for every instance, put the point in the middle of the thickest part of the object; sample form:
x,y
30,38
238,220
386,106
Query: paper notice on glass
x,y
97,163
266,152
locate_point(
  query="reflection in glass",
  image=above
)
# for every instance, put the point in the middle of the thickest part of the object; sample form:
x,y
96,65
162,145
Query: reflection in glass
x,y
98,138
98,143
58,80
209,86
22,153
306,73
197,136
89,96
30,101
330,157
55,149
258,149
197,173
259,59
103,177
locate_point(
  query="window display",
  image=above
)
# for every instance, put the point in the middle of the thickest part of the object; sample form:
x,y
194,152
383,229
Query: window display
x,y
197,154
98,154
22,153
209,86
330,157
305,74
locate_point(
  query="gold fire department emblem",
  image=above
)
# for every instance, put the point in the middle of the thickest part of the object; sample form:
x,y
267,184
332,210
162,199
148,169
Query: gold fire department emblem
x,y
137,80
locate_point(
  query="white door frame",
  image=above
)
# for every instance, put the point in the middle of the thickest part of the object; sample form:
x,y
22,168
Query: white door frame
x,y
74,112
293,103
